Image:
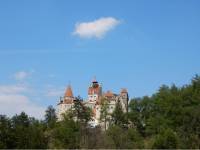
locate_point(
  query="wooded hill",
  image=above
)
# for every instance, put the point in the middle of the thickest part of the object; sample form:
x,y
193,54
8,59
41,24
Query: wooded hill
x,y
170,118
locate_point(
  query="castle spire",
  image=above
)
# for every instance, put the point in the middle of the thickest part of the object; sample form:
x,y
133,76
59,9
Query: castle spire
x,y
68,92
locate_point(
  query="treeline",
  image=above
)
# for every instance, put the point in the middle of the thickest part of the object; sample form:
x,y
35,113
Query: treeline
x,y
169,119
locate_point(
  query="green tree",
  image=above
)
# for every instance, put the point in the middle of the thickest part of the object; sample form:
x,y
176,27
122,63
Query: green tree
x,y
124,138
104,115
167,139
20,125
81,113
139,112
37,134
118,136
6,136
50,117
66,134
170,118
118,116
27,132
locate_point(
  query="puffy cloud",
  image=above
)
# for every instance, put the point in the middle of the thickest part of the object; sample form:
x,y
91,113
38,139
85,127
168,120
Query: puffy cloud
x,y
13,101
95,29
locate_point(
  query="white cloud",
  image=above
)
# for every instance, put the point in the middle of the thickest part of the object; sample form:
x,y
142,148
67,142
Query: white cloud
x,y
13,89
14,101
95,29
21,75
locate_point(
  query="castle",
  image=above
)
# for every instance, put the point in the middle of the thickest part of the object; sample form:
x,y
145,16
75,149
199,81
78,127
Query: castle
x,y
95,96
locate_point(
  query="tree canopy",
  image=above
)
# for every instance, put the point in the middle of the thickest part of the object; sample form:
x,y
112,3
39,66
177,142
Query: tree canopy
x,y
168,119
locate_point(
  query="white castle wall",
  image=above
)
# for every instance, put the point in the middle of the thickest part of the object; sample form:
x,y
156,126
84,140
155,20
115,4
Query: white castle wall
x,y
93,103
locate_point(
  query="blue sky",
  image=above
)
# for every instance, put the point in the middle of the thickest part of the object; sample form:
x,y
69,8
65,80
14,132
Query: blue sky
x,y
138,45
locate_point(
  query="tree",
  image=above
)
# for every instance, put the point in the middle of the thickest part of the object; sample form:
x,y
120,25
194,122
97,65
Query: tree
x,y
118,136
124,138
66,134
6,141
167,139
27,132
80,112
50,117
104,115
139,112
170,118
20,125
81,115
118,116
37,134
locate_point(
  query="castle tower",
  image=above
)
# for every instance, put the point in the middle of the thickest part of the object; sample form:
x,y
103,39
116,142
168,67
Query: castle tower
x,y
94,95
68,96
124,98
65,103
94,91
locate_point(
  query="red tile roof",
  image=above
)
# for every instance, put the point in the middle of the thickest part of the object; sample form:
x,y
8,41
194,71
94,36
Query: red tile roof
x,y
109,94
68,92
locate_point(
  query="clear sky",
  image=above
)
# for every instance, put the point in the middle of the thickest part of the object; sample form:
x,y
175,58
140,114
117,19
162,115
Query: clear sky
x,y
138,45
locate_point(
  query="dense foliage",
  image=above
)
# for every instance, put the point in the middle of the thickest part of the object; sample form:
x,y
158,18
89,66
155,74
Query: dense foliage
x,y
169,119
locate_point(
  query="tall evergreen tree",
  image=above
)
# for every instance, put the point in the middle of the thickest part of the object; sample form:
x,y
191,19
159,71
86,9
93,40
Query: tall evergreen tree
x,y
104,115
118,116
6,135
50,117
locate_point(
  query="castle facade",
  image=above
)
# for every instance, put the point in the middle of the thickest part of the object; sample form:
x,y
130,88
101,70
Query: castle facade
x,y
94,101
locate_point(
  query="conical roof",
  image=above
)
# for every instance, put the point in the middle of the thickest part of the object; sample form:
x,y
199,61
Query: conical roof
x,y
68,92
